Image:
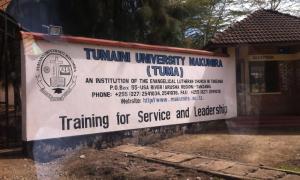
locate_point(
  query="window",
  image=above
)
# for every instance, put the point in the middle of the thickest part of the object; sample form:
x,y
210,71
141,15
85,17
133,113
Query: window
x,y
264,77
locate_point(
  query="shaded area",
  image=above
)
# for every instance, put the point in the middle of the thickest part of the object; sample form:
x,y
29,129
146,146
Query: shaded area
x,y
148,21
10,80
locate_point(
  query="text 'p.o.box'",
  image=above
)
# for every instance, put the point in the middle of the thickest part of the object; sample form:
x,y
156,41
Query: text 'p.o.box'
x,y
77,86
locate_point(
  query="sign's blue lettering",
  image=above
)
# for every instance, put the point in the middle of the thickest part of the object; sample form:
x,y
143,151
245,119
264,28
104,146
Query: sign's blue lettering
x,y
107,55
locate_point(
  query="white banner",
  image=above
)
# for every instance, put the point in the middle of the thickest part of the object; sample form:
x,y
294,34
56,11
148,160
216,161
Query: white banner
x,y
85,88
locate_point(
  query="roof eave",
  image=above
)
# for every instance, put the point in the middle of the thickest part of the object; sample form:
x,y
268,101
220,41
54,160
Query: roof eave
x,y
279,43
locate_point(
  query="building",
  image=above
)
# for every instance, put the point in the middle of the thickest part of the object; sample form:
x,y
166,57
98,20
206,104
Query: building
x,y
266,46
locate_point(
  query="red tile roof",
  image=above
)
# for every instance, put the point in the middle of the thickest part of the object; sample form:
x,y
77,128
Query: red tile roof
x,y
262,26
4,4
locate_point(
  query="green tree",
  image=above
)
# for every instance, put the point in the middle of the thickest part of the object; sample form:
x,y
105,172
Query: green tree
x,y
286,6
206,17
148,21
187,23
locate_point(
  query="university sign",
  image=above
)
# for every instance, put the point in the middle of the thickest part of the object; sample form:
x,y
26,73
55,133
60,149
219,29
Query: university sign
x,y
76,86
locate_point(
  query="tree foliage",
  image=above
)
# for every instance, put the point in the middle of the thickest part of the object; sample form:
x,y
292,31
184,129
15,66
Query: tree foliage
x,y
188,23
287,6
206,17
148,21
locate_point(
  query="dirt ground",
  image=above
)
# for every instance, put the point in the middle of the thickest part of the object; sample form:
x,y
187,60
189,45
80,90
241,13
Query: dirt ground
x,y
92,164
281,150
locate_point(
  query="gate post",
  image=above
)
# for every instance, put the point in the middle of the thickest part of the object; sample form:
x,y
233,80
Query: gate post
x,y
4,58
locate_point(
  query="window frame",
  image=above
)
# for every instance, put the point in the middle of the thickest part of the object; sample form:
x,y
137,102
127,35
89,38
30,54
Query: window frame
x,y
278,91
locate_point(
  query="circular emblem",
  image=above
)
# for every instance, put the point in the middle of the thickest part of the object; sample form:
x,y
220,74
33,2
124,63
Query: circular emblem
x,y
56,74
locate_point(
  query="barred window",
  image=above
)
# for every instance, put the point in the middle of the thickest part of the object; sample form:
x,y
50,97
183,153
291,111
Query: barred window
x,y
264,77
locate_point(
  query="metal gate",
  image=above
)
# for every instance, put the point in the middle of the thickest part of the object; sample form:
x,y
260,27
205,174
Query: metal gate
x,y
10,82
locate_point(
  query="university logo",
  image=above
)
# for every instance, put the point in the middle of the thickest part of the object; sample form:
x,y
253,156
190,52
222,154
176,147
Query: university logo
x,y
56,74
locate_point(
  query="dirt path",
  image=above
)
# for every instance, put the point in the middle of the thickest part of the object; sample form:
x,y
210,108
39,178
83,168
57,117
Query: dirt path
x,y
271,150
91,164
223,168
276,150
